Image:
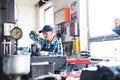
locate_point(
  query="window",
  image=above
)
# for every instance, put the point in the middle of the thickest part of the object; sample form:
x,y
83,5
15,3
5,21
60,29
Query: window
x,y
101,16
49,17
46,14
105,48
103,41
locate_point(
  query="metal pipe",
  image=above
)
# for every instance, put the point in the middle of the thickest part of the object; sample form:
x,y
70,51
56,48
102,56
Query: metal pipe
x,y
6,43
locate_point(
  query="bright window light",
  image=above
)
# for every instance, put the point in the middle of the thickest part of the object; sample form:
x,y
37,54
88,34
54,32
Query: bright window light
x,y
101,16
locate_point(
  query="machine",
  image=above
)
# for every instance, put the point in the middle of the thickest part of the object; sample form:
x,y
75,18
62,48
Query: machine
x,y
102,72
14,65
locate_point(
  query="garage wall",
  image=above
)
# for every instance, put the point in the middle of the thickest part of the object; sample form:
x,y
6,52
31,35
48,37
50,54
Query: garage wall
x,y
25,14
82,15
83,21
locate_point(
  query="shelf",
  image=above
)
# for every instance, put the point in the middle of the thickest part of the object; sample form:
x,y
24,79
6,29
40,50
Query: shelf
x,y
117,30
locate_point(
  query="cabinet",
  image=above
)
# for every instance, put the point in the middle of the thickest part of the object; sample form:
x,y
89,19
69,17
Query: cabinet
x,y
56,63
62,15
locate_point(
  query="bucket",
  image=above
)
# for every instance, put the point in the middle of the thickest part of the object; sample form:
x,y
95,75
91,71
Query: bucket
x,y
16,64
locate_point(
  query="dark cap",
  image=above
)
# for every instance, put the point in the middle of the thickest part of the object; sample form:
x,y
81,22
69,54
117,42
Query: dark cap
x,y
46,28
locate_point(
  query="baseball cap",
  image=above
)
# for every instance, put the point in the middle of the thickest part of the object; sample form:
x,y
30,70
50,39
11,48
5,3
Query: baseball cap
x,y
46,28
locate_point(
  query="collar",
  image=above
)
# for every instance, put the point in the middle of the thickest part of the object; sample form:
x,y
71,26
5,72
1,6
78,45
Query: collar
x,y
54,40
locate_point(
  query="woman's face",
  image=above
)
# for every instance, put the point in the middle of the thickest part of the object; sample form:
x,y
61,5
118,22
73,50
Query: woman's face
x,y
48,35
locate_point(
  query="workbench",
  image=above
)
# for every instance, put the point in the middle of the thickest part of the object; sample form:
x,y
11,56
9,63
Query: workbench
x,y
55,64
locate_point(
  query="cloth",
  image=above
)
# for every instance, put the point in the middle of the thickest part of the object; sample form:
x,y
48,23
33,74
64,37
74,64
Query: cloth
x,y
55,47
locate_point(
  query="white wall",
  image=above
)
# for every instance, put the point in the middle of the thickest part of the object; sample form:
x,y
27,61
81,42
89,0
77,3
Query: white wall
x,y
25,13
83,21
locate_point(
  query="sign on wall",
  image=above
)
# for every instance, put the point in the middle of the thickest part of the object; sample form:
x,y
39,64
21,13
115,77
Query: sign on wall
x,y
74,26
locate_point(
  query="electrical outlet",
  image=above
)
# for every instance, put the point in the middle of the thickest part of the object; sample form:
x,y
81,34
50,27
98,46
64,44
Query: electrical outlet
x,y
7,28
